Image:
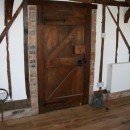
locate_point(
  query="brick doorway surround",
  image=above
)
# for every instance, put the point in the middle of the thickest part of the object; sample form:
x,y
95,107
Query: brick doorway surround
x,y
32,11
32,54
33,57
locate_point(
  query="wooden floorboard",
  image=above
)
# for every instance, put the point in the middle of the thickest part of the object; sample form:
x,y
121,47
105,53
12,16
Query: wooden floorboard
x,y
78,118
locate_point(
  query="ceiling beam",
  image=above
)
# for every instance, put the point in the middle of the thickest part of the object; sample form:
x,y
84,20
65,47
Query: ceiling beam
x,y
106,2
127,16
127,1
8,10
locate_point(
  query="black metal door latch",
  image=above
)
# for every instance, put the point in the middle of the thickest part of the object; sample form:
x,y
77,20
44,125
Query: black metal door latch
x,y
81,62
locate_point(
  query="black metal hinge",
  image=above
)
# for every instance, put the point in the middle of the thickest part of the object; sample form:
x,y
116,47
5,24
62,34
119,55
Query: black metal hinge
x,y
56,102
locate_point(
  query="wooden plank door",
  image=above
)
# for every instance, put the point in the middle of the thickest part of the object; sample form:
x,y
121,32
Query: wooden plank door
x,y
62,56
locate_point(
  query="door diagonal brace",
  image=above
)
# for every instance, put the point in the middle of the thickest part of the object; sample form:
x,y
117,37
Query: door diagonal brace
x,y
62,45
66,77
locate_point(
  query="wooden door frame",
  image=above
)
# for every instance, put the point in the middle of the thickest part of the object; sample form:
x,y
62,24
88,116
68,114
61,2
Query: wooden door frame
x,y
87,41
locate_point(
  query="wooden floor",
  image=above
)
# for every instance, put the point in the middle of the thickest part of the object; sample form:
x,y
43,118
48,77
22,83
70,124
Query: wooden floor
x,y
78,118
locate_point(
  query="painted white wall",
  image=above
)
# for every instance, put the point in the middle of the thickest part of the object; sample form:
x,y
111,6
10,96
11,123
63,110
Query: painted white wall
x,y
110,42
16,54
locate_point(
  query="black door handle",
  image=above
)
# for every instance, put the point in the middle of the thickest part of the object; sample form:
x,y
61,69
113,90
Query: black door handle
x,y
81,62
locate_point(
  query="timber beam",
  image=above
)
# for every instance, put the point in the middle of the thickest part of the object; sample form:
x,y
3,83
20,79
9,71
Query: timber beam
x,y
127,16
9,24
127,1
105,2
8,10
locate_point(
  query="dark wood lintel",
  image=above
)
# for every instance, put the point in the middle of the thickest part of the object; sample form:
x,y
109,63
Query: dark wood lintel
x,y
78,5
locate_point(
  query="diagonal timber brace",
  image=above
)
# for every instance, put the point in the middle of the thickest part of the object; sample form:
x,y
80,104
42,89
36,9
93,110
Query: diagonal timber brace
x,y
123,37
127,16
8,24
6,29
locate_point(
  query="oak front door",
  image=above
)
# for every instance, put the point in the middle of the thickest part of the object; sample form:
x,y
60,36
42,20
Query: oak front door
x,y
63,56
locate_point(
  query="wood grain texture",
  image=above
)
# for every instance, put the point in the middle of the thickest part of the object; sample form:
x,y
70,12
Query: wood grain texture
x,y
106,2
8,10
61,71
78,118
87,42
76,4
62,45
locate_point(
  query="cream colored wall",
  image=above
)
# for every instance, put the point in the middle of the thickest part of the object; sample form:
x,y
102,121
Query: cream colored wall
x,y
110,42
16,54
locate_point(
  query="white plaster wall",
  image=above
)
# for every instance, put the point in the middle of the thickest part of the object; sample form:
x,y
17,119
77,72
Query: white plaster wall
x,y
16,54
110,42
3,67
